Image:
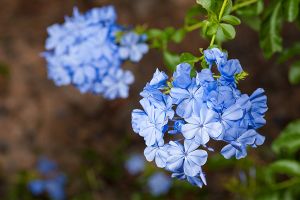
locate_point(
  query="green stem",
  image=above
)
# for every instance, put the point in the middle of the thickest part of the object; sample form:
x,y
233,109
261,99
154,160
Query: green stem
x,y
222,9
286,184
212,40
193,27
219,19
243,4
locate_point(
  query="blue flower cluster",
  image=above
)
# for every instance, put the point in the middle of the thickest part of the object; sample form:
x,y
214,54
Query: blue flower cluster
x,y
135,164
202,108
85,52
52,183
159,184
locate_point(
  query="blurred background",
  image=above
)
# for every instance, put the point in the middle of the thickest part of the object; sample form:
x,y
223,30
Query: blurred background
x,y
90,138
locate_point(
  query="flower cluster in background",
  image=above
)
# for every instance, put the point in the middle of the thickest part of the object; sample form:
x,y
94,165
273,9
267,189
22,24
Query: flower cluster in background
x,y
196,110
50,181
135,164
158,183
84,51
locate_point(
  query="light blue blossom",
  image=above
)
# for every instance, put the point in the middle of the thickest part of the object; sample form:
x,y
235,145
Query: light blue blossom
x,y
199,180
83,51
214,55
159,80
158,153
186,157
52,183
177,127
36,187
204,77
159,184
116,83
182,76
152,128
45,165
207,107
228,70
132,47
135,164
202,126
187,100
259,107
238,142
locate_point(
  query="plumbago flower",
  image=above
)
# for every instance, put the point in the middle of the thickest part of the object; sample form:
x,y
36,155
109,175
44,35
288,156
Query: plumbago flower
x,y
85,51
199,109
51,182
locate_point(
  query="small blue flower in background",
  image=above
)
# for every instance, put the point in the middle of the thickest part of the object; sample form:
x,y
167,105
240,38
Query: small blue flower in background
x,y
197,110
135,164
132,47
159,184
84,52
51,182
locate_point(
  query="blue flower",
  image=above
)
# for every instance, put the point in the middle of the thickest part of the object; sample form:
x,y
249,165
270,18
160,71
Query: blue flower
x,y
182,76
239,140
159,80
132,47
199,180
135,164
152,128
177,127
55,187
214,55
204,77
83,51
116,83
207,107
45,165
152,89
53,182
228,71
259,107
158,153
186,157
202,126
187,100
159,184
36,187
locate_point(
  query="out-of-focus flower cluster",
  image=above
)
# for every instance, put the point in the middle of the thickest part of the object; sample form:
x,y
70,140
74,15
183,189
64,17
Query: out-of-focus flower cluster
x,y
157,184
199,109
84,51
50,181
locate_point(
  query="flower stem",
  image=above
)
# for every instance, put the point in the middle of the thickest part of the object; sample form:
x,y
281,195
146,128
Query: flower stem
x,y
243,4
219,19
193,27
286,184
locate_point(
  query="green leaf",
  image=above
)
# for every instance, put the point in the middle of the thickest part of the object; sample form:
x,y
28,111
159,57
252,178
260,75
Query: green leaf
x,y
153,33
212,28
189,58
230,19
289,53
270,39
289,167
171,60
289,139
207,4
178,35
294,73
291,9
228,30
269,196
192,13
214,6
